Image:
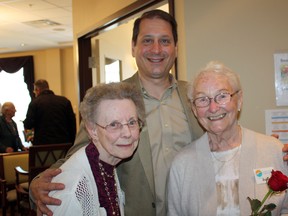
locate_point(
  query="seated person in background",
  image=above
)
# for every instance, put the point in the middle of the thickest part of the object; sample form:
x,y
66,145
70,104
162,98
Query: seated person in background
x,y
51,116
214,175
9,136
112,116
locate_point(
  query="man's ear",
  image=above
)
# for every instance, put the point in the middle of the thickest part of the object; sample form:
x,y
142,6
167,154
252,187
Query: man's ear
x,y
176,50
133,49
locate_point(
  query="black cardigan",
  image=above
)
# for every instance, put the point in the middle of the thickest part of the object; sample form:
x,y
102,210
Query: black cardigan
x,y
8,138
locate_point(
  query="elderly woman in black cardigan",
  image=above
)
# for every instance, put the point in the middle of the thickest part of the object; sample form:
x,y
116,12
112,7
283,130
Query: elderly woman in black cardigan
x,y
9,136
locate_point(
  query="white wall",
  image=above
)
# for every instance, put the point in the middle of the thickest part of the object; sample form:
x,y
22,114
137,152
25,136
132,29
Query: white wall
x,y
116,44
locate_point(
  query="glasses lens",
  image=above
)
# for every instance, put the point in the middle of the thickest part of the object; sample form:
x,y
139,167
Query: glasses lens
x,y
222,98
201,102
135,124
114,127
132,124
117,126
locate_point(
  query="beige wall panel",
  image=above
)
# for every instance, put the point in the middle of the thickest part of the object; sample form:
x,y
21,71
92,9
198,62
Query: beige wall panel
x,y
68,83
244,35
86,14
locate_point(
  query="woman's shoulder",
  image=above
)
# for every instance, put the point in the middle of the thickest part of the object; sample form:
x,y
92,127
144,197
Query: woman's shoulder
x,y
75,175
263,140
79,188
73,170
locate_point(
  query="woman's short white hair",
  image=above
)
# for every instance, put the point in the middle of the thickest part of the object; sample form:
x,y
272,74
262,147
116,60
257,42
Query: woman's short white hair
x,y
215,67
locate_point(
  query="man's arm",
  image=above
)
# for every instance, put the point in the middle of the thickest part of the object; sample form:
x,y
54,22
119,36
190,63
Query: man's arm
x,y
29,120
41,185
284,149
71,121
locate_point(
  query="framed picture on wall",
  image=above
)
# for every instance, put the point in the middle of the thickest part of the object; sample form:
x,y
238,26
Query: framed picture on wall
x,y
281,78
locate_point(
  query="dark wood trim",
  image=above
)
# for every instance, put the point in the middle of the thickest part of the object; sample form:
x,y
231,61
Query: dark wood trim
x,y
84,71
171,7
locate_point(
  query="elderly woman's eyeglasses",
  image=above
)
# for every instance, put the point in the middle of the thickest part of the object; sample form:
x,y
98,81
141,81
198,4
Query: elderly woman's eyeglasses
x,y
116,126
221,99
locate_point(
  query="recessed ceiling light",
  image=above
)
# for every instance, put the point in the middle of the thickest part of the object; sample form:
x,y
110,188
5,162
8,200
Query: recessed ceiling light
x,y
42,23
58,29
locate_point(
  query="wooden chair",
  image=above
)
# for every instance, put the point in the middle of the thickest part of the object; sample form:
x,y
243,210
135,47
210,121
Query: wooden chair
x,y
41,157
7,178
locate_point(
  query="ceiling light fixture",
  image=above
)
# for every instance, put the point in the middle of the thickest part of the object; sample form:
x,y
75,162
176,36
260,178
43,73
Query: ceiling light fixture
x,y
42,23
58,29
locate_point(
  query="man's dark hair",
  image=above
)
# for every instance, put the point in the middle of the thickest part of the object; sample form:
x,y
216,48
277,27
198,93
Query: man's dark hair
x,y
155,14
41,84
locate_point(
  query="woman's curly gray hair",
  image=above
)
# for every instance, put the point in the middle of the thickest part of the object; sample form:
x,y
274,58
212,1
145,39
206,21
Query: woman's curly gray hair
x,y
110,91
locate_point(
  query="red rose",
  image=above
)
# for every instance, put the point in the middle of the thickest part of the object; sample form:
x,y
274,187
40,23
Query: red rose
x,y
278,181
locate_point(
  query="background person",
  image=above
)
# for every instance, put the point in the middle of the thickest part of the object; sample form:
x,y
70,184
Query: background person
x,y
112,116
170,124
214,175
51,116
9,136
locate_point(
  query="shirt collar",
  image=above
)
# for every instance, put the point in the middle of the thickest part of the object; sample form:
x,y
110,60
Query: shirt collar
x,y
173,85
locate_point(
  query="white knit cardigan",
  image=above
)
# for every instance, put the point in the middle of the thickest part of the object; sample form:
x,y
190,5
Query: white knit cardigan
x,y
80,196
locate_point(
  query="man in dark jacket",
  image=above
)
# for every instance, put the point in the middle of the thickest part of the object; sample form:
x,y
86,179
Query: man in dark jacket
x,y
51,116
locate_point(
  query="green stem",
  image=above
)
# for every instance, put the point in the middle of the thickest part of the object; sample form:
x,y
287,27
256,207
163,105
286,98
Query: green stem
x,y
269,193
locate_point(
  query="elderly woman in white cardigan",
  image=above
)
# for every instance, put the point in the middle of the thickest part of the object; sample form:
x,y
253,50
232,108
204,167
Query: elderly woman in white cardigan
x,y
215,174
112,116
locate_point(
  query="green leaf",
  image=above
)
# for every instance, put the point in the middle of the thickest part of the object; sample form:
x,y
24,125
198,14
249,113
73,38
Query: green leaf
x,y
254,203
270,206
268,213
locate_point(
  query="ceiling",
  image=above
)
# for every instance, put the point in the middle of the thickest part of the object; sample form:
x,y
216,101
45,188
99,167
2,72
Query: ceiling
x,y
35,24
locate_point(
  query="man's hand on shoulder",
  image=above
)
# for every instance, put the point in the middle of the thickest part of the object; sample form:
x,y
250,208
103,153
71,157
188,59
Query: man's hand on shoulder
x,y
40,188
285,149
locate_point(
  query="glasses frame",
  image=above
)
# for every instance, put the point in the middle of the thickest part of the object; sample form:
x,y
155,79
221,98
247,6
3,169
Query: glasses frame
x,y
214,98
140,124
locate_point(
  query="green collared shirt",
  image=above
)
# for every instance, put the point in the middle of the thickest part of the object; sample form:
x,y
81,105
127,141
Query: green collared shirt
x,y
168,133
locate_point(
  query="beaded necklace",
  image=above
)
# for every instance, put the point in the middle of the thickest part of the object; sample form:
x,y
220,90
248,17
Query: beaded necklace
x,y
114,204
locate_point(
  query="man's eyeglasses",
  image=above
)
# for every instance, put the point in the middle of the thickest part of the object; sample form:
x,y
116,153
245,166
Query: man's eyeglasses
x,y
116,126
221,99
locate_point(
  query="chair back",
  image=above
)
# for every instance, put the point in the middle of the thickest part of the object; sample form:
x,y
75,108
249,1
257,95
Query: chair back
x,y
7,163
42,157
8,179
